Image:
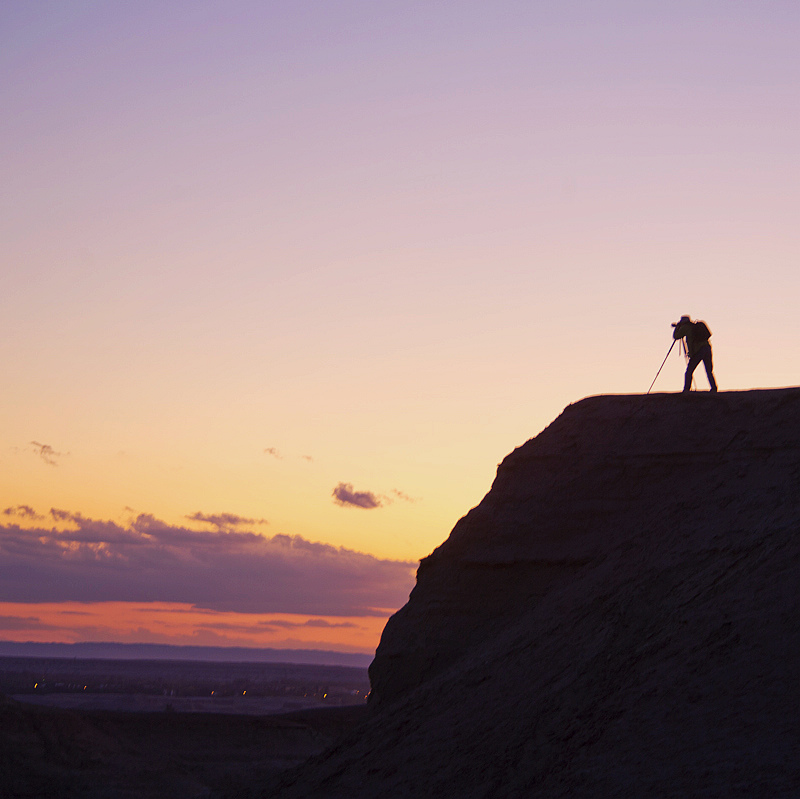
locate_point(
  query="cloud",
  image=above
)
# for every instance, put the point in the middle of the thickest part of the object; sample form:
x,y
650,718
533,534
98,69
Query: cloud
x,y
401,495
24,512
225,569
47,453
287,624
345,496
224,521
325,623
90,531
275,453
273,625
9,623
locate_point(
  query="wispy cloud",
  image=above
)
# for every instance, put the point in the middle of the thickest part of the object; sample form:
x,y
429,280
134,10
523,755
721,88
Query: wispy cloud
x,y
47,453
23,512
345,495
226,569
224,521
402,496
13,623
326,623
274,625
278,455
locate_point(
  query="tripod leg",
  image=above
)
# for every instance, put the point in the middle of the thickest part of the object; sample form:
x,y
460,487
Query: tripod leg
x,y
662,366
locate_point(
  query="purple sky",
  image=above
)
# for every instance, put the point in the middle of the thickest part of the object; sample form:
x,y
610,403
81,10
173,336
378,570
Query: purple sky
x,y
320,266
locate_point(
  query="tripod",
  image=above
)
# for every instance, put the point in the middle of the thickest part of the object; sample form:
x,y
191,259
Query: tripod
x,y
686,354
662,365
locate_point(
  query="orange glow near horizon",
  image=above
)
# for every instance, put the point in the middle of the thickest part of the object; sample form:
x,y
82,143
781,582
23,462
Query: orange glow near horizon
x,y
183,624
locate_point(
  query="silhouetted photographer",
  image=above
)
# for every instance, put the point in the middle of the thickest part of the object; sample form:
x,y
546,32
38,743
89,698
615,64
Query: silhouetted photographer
x,y
697,346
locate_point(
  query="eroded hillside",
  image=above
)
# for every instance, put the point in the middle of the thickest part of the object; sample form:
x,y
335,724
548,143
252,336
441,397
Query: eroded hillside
x,y
619,616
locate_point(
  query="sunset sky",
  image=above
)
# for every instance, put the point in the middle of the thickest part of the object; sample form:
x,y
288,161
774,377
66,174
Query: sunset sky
x,y
283,282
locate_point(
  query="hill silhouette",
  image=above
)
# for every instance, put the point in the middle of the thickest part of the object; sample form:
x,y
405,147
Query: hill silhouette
x,y
620,616
49,753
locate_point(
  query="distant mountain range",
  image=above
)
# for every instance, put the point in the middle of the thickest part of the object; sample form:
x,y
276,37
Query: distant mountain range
x,y
224,654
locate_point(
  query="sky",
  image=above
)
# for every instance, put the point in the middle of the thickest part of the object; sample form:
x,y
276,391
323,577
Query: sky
x,y
283,282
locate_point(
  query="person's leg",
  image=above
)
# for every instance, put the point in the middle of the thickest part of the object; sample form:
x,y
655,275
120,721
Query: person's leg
x,y
690,367
708,362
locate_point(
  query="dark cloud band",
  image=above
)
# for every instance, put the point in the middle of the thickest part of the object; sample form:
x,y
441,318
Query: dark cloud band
x,y
222,569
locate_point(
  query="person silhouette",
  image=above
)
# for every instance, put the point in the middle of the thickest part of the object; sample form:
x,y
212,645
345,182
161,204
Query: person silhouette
x,y
698,347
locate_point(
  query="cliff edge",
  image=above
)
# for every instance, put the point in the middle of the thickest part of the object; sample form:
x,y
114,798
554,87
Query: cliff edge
x,y
619,616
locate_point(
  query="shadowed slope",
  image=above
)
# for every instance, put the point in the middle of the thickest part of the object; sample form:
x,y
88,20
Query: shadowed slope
x,y
50,753
619,616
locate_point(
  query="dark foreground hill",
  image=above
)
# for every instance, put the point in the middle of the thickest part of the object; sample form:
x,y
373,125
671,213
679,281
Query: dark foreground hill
x,y
49,753
620,616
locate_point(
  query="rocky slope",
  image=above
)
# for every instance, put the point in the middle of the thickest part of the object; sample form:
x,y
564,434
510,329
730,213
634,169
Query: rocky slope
x,y
619,616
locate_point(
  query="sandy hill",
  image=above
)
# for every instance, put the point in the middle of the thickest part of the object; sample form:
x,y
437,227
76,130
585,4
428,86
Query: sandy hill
x,y
620,616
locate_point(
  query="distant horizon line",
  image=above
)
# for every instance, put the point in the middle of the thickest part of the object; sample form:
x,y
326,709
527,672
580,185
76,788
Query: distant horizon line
x,y
117,650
